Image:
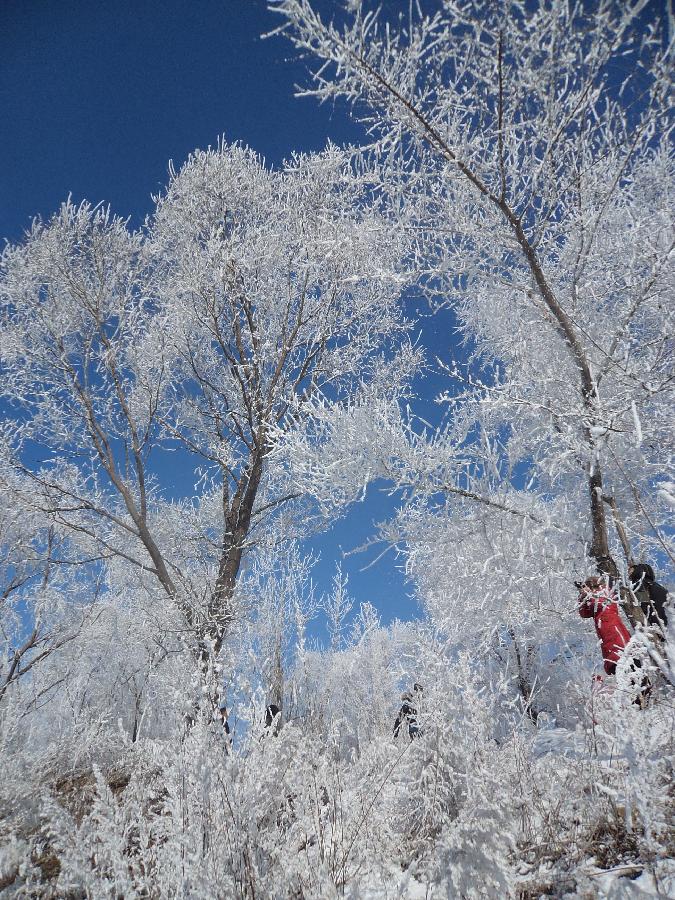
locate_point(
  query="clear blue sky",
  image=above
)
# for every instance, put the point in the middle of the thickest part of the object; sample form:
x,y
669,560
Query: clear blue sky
x,y
98,95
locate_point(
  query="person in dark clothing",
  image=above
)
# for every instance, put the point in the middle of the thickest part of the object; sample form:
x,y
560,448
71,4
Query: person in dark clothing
x,y
652,597
271,713
408,713
222,712
273,719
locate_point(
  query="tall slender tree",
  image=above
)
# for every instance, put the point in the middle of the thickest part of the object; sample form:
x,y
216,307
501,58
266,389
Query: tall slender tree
x,y
528,145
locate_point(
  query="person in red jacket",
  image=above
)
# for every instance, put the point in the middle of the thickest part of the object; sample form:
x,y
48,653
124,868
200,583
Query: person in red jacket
x,y
597,600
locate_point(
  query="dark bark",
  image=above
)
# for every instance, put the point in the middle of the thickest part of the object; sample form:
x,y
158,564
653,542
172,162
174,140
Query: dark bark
x,y
220,614
523,681
237,526
599,549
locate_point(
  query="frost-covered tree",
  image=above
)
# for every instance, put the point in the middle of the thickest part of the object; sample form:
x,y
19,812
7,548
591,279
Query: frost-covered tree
x,y
250,293
40,605
276,288
528,147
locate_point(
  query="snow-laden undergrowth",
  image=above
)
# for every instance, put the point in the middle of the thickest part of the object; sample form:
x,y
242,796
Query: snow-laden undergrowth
x,y
483,803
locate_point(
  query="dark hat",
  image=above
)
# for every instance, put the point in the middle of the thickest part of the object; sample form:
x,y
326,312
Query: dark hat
x,y
642,572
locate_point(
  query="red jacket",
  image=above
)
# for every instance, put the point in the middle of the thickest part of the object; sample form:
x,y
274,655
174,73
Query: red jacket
x,y
613,634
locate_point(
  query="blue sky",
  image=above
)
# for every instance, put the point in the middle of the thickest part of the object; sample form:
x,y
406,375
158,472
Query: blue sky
x,y
97,97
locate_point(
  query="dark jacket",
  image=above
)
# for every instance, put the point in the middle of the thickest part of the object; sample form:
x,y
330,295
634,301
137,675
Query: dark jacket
x,y
407,714
652,596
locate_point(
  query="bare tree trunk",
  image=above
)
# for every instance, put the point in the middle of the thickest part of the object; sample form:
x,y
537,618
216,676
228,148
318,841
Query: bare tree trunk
x,y
523,681
220,614
620,528
600,540
276,693
237,527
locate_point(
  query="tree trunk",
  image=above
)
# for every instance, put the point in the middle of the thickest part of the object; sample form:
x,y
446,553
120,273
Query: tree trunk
x,y
620,529
237,526
523,681
276,690
599,549
220,615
